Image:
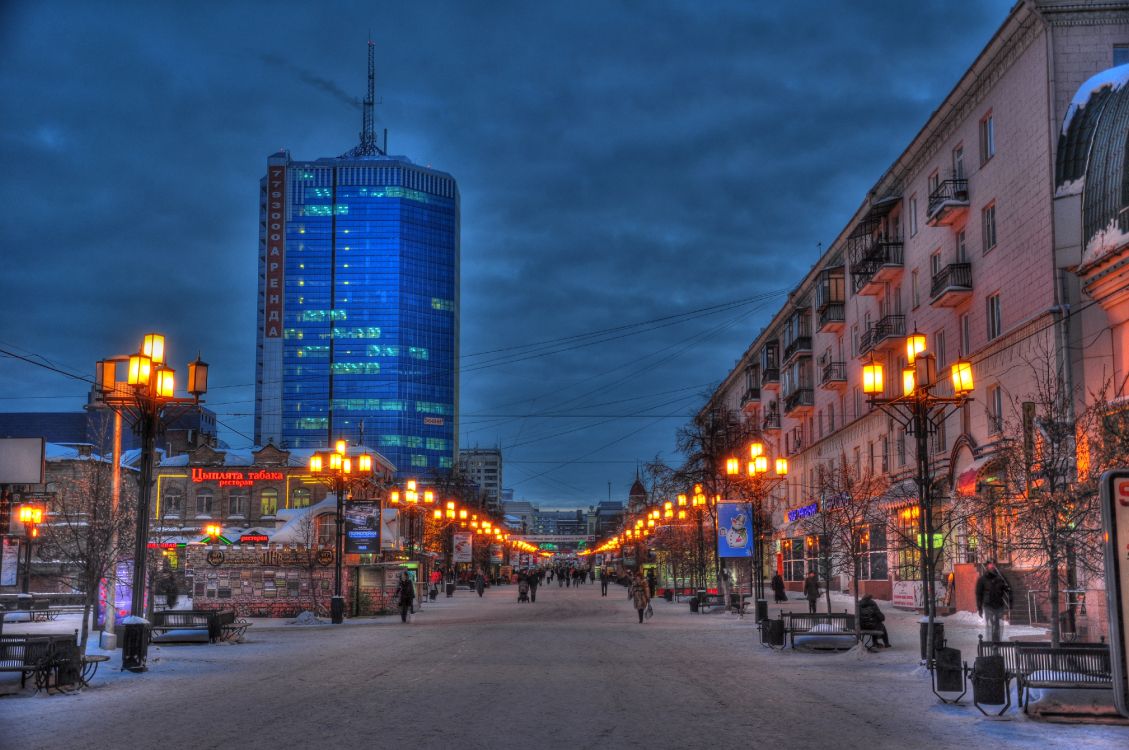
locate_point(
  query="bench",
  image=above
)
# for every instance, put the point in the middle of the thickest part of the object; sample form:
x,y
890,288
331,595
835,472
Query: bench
x,y
189,625
1073,666
830,624
1009,651
233,632
43,610
26,655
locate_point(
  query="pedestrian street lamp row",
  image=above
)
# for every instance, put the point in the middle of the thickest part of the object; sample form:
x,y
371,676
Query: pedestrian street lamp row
x,y
920,408
755,483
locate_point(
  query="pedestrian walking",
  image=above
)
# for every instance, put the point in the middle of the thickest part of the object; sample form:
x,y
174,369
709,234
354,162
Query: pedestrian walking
x,y
993,599
479,583
778,593
406,595
533,583
523,589
871,618
811,590
651,583
605,577
639,596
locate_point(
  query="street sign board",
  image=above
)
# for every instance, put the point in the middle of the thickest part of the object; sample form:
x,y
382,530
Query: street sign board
x,y
733,530
1115,520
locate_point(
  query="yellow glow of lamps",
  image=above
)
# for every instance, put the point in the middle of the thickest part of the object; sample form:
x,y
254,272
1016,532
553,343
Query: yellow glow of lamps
x,y
760,464
140,367
394,497
732,466
462,514
437,514
315,464
32,514
429,497
962,377
212,530
872,381
347,465
681,501
153,347
907,381
340,446
198,377
756,449
782,467
915,344
364,463
165,383
335,461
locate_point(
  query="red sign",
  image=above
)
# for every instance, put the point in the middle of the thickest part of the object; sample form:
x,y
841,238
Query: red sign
x,y
162,545
254,539
433,420
229,478
276,233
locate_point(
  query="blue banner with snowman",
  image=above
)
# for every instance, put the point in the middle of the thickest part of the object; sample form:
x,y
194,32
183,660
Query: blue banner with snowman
x,y
734,530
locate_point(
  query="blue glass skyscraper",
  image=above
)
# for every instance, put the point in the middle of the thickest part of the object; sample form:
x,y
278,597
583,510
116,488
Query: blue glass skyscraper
x,y
358,322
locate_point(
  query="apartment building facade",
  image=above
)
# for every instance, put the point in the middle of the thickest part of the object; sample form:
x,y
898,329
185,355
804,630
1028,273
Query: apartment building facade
x,y
956,241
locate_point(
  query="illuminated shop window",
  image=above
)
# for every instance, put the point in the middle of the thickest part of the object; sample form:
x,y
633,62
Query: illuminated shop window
x,y
268,502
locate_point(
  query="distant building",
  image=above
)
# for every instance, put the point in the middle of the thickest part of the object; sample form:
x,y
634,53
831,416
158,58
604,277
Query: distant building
x,y
605,519
358,309
483,466
95,427
524,513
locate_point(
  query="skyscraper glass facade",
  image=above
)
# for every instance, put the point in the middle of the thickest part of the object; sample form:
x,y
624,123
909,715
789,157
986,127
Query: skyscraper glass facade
x,y
364,340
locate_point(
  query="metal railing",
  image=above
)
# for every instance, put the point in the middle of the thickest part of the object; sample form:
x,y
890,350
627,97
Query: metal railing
x,y
952,276
889,326
799,397
834,312
948,193
834,372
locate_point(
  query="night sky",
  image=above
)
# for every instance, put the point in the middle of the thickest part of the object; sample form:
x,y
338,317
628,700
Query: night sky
x,y
641,183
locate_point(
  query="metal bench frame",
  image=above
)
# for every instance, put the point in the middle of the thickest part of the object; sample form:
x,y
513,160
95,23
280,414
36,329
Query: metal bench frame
x,y
1091,666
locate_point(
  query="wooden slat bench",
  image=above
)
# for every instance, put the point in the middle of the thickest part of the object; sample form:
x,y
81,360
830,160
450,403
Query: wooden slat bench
x,y
26,655
829,624
1072,666
185,625
1009,651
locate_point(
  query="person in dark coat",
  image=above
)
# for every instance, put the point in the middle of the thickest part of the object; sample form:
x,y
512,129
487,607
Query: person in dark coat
x,y
993,599
811,590
605,578
639,596
778,589
480,583
871,618
406,595
533,582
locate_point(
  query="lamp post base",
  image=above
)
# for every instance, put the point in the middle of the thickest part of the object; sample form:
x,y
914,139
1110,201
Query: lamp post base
x,y
337,610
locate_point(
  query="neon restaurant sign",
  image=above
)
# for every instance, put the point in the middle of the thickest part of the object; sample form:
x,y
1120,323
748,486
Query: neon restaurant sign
x,y
803,512
236,478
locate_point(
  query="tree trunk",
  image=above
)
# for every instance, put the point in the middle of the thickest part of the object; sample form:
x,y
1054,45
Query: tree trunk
x,y
1052,592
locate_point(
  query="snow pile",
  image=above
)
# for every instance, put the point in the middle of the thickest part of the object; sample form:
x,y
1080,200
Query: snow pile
x,y
1103,242
1072,701
1114,78
306,618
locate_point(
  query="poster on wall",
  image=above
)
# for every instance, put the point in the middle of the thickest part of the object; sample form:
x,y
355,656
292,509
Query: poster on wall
x,y
362,533
390,529
734,537
8,563
464,547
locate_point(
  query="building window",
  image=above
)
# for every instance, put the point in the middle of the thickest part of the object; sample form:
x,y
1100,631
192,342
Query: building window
x,y
912,215
326,529
995,321
268,502
204,504
174,501
793,554
913,289
238,504
965,335
934,264
995,409
942,354
908,528
987,138
934,181
300,498
885,444
962,247
872,544
900,447
988,226
958,162
831,417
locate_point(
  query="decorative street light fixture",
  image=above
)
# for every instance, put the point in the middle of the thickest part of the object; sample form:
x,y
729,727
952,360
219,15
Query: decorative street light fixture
x,y
31,516
336,469
919,409
147,399
757,484
415,504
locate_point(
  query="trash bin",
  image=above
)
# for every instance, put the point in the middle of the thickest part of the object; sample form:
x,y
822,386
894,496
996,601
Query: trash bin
x,y
702,598
668,594
989,681
772,632
135,644
762,610
450,590
938,635
694,604
949,672
735,601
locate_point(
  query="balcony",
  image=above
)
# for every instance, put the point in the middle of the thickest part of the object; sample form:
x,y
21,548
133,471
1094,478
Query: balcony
x,y
834,375
750,399
832,317
771,379
772,420
799,401
948,203
798,345
952,285
886,332
877,262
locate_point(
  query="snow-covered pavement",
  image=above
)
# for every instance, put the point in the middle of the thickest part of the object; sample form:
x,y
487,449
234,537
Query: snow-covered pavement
x,y
573,670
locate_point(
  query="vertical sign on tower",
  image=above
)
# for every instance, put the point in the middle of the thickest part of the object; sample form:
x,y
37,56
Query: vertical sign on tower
x,y
1115,519
276,233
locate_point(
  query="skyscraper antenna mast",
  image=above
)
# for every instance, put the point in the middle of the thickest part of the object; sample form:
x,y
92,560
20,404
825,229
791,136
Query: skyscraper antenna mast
x,y
368,145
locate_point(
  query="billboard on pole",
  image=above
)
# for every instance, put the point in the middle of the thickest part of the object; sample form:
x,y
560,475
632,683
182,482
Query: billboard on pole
x,y
733,530
464,547
21,460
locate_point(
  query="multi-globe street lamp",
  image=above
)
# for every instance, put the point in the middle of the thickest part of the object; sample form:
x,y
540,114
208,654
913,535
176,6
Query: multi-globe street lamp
x,y
337,469
415,504
30,516
920,409
756,483
147,398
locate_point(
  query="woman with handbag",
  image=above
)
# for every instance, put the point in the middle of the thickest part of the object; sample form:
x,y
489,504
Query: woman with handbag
x,y
639,596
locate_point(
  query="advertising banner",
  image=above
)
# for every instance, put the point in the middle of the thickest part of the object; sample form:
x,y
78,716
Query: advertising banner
x,y
362,535
116,594
1115,520
10,561
734,530
390,530
463,547
496,553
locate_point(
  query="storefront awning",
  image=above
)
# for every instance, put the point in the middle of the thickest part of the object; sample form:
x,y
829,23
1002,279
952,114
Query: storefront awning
x,y
970,476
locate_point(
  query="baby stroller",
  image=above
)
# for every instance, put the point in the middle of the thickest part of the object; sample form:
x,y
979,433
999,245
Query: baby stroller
x,y
523,590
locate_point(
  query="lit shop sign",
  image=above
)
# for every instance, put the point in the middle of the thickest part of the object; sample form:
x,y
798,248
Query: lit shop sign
x,y
438,421
236,478
254,539
803,512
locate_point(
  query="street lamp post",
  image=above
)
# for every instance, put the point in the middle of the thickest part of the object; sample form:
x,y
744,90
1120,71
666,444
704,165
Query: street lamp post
x,y
919,409
31,516
147,397
336,469
757,483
